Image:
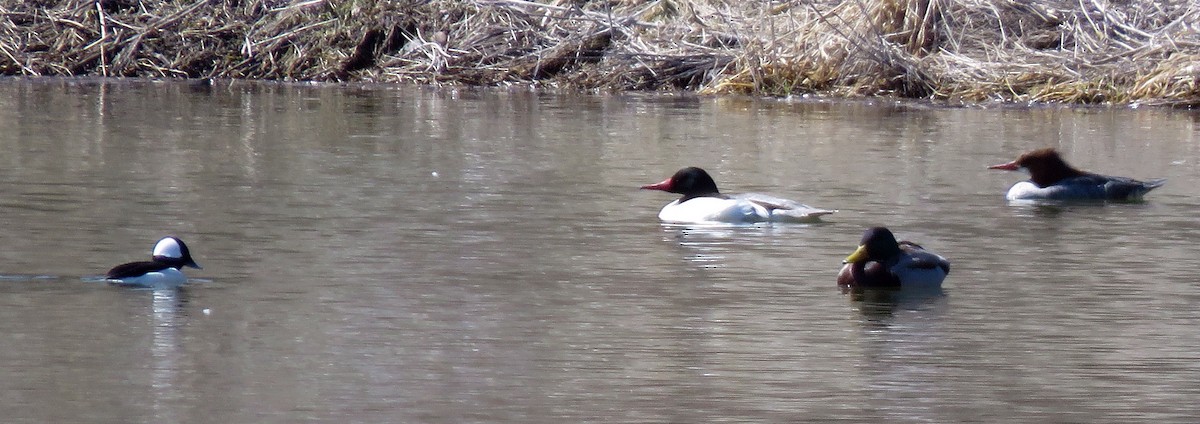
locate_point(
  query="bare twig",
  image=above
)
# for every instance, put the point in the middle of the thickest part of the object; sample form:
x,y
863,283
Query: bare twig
x,y
970,50
103,38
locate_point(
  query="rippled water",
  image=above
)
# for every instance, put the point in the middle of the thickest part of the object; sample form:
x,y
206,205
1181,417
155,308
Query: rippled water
x,y
450,255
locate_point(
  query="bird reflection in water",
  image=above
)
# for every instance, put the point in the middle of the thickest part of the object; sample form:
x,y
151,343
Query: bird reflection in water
x,y
883,303
166,349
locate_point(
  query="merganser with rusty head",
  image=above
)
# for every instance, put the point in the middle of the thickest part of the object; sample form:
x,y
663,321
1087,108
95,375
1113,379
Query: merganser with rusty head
x,y
703,203
1051,178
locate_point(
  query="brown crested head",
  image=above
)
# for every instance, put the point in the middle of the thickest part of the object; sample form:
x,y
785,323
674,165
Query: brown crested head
x,y
1045,167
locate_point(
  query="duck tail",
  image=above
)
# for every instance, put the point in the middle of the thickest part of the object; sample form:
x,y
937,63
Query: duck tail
x,y
1140,188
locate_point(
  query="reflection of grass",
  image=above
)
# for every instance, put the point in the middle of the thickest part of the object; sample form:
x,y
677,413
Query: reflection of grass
x,y
957,50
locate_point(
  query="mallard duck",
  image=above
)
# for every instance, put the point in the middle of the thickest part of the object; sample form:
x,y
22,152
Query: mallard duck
x,y
882,262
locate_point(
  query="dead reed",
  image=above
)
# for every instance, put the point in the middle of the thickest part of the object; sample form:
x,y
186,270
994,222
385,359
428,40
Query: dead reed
x,y
1070,51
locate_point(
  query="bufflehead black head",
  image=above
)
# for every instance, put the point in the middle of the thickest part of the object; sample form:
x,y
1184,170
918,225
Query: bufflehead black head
x,y
173,251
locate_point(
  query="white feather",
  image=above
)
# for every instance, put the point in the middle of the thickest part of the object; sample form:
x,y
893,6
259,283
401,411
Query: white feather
x,y
739,209
166,278
168,247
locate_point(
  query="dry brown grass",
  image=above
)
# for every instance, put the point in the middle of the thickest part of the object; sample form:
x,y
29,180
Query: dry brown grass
x,y
1073,51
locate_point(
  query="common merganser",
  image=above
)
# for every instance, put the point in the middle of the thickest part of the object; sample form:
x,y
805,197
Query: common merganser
x,y
1051,178
882,262
703,203
163,269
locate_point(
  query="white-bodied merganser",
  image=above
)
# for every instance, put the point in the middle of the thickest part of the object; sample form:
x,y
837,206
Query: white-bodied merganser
x,y
703,203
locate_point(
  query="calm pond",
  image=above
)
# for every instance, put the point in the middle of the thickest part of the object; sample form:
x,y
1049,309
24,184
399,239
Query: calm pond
x,y
400,254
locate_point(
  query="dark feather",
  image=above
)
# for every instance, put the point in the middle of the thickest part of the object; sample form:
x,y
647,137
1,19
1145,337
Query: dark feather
x,y
134,269
922,259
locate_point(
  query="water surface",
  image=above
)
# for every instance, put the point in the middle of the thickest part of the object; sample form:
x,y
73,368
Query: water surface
x,y
395,254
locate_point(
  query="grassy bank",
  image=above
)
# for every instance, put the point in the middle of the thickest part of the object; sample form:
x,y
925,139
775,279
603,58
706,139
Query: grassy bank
x,y
1077,51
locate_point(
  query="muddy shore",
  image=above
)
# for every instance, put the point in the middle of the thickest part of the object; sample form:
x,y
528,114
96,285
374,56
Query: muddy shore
x,y
968,51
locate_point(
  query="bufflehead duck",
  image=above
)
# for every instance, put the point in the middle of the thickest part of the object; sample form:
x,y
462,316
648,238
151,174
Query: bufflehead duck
x,y
703,203
1051,178
882,262
163,268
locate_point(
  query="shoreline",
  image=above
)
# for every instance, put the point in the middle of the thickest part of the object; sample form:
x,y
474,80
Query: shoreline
x,y
963,52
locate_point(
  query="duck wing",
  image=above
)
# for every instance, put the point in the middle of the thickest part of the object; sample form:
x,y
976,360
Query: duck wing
x,y
916,257
1101,187
781,209
134,269
1121,188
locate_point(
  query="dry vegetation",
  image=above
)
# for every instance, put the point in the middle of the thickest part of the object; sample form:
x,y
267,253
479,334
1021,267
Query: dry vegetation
x,y
1073,51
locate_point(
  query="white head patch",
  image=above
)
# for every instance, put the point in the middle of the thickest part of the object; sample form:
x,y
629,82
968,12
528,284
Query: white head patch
x,y
168,247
